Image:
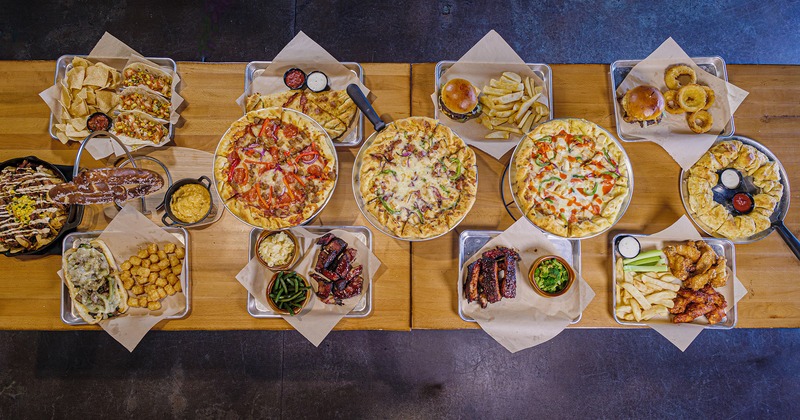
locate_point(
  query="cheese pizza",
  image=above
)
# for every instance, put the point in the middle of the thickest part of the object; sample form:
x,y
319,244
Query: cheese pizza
x,y
275,168
570,178
418,178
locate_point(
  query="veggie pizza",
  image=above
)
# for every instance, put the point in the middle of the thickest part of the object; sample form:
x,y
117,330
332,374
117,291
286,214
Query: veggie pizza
x,y
418,178
275,168
571,179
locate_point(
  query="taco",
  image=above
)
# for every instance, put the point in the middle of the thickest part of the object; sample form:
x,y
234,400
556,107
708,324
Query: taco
x,y
93,281
139,127
136,98
153,78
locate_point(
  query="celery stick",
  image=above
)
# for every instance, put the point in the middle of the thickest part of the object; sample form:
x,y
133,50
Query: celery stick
x,y
648,261
643,255
645,268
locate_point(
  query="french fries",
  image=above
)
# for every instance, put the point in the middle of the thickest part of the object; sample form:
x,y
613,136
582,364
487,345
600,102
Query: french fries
x,y
644,296
510,106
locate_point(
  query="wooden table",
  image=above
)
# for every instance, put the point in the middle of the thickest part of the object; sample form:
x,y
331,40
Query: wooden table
x,y
30,290
769,271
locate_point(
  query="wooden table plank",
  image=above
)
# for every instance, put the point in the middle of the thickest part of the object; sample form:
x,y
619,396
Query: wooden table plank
x,y
30,290
767,268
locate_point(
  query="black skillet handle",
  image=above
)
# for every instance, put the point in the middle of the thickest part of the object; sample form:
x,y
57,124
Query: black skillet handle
x,y
788,237
363,104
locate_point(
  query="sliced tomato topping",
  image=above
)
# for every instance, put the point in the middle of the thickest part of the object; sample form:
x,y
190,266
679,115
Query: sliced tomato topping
x,y
240,176
289,130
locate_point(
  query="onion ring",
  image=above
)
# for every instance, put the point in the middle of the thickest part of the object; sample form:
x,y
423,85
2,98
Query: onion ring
x,y
672,74
671,102
710,97
691,98
700,121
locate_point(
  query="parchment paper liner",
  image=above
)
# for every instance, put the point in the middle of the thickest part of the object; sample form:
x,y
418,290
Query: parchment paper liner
x,y
682,335
673,134
124,236
487,60
528,319
110,50
302,52
317,320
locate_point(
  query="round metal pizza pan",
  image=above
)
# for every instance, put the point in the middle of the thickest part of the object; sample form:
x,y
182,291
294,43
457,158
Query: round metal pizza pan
x,y
513,171
776,220
359,161
335,165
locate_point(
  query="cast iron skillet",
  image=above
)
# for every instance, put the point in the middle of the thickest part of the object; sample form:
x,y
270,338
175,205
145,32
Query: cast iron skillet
x,y
74,214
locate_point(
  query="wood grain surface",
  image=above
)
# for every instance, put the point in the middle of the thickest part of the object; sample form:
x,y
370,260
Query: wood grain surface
x,y
767,268
30,290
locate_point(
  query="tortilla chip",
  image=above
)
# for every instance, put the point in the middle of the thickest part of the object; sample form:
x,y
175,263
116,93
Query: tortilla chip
x,y
75,77
96,76
91,98
105,100
115,78
78,134
82,93
65,98
78,123
80,62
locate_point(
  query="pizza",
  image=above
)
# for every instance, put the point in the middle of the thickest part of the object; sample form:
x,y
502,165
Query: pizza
x,y
753,165
275,168
332,109
570,177
418,178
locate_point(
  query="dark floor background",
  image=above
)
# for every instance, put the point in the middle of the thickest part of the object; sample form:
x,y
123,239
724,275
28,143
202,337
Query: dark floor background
x,y
421,374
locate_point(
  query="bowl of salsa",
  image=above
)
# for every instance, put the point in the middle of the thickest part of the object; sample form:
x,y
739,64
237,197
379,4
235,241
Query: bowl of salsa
x,y
551,276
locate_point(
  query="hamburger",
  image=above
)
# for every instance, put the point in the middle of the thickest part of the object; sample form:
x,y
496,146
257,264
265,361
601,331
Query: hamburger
x,y
458,99
643,104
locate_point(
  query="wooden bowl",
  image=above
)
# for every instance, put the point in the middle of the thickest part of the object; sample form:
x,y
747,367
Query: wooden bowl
x,y
282,267
279,311
539,261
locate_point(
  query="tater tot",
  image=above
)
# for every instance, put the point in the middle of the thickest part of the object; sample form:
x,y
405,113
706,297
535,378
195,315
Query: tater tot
x,y
146,263
163,264
169,289
143,301
125,275
152,248
161,282
133,302
149,288
164,273
172,278
173,260
143,254
135,260
144,272
128,283
177,269
141,279
137,289
125,266
180,252
177,286
161,255
161,292
154,306
169,248
153,296
153,258
152,278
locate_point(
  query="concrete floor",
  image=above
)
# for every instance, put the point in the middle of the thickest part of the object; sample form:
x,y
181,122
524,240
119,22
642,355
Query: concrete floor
x,y
422,374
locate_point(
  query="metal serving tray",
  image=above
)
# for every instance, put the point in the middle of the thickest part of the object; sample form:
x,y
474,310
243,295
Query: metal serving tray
x,y
542,70
64,64
362,309
256,68
620,69
71,317
470,241
722,247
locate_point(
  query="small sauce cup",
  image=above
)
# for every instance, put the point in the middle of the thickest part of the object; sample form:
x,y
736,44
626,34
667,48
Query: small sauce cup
x,y
292,260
